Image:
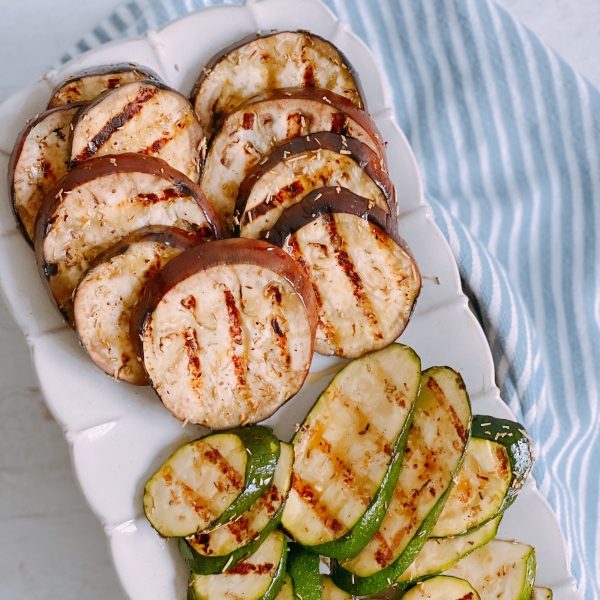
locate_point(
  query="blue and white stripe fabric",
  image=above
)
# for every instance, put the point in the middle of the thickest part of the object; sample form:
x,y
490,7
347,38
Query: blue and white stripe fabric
x,y
507,138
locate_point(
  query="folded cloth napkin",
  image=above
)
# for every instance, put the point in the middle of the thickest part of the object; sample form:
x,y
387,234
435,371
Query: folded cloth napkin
x,y
507,138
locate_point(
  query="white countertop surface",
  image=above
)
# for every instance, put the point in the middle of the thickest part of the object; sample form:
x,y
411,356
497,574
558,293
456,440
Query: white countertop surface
x,y
52,545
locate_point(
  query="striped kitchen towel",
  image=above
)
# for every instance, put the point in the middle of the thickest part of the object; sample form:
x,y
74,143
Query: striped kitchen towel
x,y
507,138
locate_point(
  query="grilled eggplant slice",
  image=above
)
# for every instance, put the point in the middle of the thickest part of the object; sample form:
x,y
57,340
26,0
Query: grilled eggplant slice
x,y
259,577
303,568
99,202
499,569
253,65
145,117
497,462
365,278
297,168
440,554
443,587
103,300
39,159
211,552
206,483
250,133
226,332
89,84
346,452
433,456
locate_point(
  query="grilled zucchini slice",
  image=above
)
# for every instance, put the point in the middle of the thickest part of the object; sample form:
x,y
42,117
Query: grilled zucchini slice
x,y
259,577
497,462
222,548
206,482
303,568
287,589
39,159
433,456
443,588
541,593
439,554
332,591
499,569
258,64
345,465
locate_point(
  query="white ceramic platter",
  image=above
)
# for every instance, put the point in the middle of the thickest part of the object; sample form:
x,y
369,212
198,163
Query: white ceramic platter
x,y
119,435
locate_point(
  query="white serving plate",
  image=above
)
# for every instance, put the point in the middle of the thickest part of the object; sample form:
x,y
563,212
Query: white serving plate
x,y
118,434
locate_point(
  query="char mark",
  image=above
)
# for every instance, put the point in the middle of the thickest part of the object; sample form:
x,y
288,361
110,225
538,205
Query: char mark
x,y
129,111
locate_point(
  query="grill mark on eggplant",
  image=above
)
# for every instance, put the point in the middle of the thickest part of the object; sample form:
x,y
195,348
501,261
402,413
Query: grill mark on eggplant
x,y
313,498
286,193
324,326
274,293
128,112
339,123
344,260
236,335
194,367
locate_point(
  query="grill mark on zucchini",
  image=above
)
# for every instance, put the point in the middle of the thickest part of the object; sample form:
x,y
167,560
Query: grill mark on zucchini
x,y
215,457
313,498
345,262
442,401
129,111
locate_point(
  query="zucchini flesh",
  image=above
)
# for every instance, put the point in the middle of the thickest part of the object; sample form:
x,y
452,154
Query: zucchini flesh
x,y
263,450
346,445
541,593
287,590
443,588
439,554
432,457
222,548
303,568
196,485
251,579
496,464
499,569
332,591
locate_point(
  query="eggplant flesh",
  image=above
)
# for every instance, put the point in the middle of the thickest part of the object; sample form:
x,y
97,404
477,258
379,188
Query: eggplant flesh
x,y
281,60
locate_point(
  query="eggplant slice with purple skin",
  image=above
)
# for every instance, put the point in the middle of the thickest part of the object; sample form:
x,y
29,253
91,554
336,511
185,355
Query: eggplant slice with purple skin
x,y
365,279
90,84
145,117
225,332
249,134
254,65
109,289
39,159
302,165
97,203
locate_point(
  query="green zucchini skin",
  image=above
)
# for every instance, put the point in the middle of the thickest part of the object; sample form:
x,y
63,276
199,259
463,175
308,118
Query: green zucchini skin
x,y
210,565
279,577
358,585
366,527
511,436
263,450
381,389
427,566
518,447
303,568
